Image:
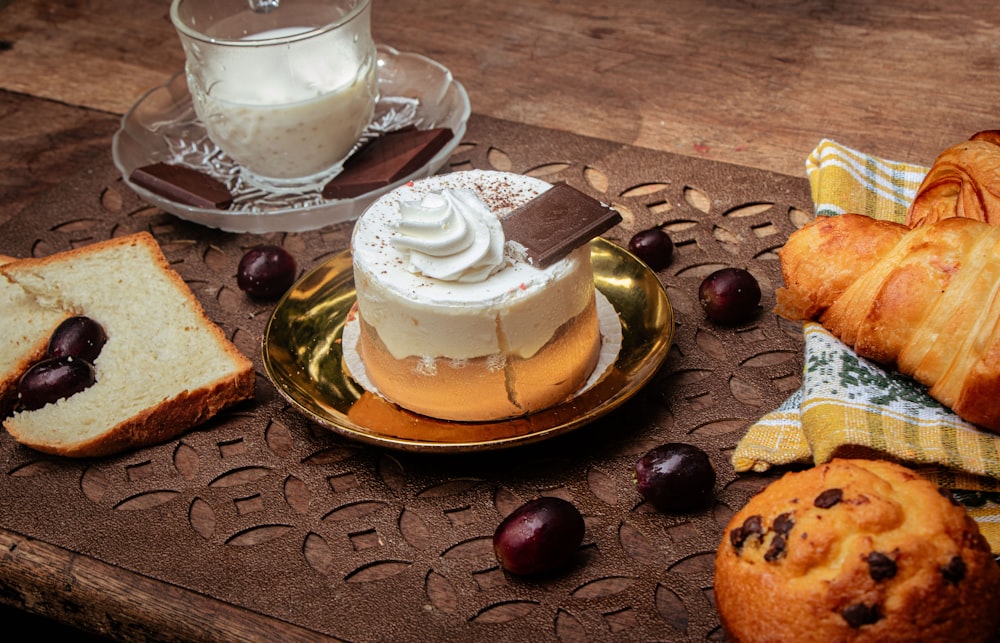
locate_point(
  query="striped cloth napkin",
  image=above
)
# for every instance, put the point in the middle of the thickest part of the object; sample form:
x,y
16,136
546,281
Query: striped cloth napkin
x,y
848,406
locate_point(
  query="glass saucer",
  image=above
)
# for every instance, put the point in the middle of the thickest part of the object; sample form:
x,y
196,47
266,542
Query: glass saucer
x,y
162,127
303,357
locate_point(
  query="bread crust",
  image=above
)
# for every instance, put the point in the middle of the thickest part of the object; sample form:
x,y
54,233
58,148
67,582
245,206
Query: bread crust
x,y
10,379
177,411
155,425
856,533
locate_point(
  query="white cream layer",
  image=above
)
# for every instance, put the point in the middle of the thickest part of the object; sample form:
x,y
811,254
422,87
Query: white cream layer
x,y
515,311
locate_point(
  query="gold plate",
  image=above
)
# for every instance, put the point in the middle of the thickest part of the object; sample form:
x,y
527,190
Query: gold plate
x,y
303,358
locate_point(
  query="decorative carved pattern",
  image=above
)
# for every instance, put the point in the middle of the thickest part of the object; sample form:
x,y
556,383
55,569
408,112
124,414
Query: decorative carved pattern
x,y
262,509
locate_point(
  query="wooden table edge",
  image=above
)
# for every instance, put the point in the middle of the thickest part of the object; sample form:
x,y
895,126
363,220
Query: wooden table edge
x,y
96,597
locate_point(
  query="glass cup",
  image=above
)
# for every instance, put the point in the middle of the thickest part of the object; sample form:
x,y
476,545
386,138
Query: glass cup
x,y
284,87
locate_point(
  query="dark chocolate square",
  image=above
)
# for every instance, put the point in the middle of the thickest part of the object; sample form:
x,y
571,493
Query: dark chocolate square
x,y
183,185
385,160
556,222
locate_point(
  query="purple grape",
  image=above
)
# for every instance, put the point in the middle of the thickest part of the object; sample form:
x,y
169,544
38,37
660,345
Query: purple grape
x,y
675,477
78,336
539,536
729,295
53,379
266,272
653,246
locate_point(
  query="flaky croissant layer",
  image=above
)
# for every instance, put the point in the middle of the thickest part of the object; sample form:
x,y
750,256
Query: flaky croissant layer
x,y
925,301
964,181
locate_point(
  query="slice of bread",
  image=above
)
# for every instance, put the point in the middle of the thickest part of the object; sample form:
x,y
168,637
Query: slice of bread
x,y
164,369
24,335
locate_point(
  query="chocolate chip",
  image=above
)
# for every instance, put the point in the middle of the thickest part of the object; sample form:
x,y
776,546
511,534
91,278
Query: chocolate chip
x,y
828,498
783,523
776,550
752,526
736,537
954,571
860,614
880,566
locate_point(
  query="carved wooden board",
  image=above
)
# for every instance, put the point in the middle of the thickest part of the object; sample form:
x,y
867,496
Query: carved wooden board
x,y
265,511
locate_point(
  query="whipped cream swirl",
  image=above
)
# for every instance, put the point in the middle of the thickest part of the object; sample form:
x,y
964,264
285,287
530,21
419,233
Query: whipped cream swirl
x,y
450,235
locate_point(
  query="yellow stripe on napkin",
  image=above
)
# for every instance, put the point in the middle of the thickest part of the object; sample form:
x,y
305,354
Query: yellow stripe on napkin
x,y
988,518
845,180
776,439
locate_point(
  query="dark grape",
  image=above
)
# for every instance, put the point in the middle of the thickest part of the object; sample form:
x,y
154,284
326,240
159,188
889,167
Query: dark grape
x,y
539,536
266,272
77,337
675,477
53,379
730,295
652,246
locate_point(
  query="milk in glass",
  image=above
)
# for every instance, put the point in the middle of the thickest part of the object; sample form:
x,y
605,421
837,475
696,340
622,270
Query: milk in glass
x,y
287,103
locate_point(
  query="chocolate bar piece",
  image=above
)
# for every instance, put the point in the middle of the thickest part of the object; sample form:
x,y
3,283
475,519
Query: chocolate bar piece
x,y
183,185
557,222
385,160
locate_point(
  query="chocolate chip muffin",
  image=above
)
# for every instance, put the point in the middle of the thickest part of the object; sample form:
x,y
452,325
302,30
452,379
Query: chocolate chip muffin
x,y
856,550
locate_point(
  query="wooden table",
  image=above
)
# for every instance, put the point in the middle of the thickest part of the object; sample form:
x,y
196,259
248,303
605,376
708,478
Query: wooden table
x,y
757,85
754,84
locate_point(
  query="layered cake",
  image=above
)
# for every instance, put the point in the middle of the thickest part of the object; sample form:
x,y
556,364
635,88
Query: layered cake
x,y
460,321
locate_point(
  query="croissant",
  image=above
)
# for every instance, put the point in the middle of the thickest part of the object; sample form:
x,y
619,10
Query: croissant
x,y
925,301
964,181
